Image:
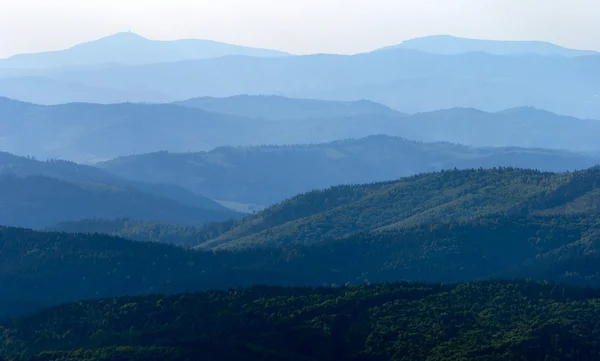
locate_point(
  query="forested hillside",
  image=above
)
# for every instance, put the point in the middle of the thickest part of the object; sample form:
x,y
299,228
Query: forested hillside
x,y
42,269
438,228
180,235
269,174
475,321
423,199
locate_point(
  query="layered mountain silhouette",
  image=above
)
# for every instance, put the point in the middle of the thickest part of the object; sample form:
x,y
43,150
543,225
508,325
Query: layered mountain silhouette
x,y
404,79
380,196
131,49
487,75
265,175
92,132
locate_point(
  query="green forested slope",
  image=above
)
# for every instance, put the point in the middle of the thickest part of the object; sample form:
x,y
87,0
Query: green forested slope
x,y
429,198
40,269
181,235
474,321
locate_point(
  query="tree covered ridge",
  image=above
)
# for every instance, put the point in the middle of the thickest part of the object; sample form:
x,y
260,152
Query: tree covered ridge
x,y
399,321
427,198
41,269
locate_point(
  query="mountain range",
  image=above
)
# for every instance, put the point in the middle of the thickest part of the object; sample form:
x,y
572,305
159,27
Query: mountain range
x,y
435,200
451,45
427,81
92,132
486,75
128,48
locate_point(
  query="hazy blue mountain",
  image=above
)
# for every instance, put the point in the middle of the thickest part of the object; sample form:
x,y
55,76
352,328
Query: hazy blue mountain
x,y
38,201
49,91
484,81
132,49
525,127
91,132
282,108
430,94
84,132
77,173
269,174
450,45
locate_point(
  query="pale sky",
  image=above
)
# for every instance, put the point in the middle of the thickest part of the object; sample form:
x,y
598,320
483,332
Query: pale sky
x,y
297,26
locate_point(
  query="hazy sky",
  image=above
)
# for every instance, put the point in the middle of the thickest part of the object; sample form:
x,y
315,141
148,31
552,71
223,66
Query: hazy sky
x,y
298,26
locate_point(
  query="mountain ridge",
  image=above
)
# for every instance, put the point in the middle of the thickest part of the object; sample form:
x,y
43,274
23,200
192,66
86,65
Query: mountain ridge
x,y
274,107
131,49
449,45
393,78
266,175
85,129
432,198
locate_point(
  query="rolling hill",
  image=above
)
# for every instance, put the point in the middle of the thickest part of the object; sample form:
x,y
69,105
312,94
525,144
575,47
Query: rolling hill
x,y
269,174
92,132
131,49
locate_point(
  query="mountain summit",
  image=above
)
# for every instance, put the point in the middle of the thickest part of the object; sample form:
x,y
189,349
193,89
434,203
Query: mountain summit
x,y
132,49
450,45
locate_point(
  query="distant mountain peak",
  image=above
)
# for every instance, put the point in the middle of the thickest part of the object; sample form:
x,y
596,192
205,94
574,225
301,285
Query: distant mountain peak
x,y
451,45
125,35
132,49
